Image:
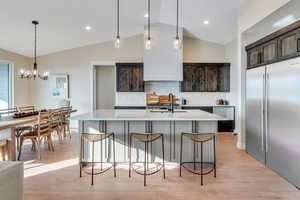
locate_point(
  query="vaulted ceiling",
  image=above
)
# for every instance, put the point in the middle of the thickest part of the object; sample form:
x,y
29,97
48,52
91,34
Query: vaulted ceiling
x,y
63,22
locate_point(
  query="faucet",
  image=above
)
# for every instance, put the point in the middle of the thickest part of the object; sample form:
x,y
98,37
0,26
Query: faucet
x,y
171,99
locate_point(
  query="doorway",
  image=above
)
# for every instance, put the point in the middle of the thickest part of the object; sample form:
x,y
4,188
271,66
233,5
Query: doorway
x,y
105,87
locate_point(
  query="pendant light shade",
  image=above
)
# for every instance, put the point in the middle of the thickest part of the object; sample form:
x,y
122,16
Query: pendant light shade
x,y
32,75
177,41
148,40
117,42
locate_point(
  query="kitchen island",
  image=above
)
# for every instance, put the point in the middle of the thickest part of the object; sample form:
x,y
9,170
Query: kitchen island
x,y
124,122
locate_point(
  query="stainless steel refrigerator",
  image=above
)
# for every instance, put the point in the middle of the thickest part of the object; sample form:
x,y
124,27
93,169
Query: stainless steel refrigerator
x,y
273,117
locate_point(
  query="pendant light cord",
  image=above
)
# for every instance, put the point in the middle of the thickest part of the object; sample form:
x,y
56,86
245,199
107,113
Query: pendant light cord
x,y
177,21
118,18
35,44
149,20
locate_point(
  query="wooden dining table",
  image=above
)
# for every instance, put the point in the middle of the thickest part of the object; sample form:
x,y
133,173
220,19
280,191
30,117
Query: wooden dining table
x,y
10,123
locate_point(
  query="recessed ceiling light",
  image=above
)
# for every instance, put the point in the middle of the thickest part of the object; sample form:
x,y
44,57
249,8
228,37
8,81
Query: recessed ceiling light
x,y
146,15
88,28
205,22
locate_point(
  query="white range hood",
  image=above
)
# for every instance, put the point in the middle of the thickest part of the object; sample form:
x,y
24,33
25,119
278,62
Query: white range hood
x,y
162,62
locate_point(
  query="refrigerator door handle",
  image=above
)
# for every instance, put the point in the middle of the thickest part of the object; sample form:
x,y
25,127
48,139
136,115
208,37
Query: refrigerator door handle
x,y
262,113
267,111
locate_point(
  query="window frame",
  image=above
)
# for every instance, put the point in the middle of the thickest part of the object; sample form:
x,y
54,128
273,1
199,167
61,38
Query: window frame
x,y
11,82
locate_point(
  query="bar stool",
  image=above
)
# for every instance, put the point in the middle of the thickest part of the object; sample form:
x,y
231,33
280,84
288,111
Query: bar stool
x,y
199,138
146,138
93,138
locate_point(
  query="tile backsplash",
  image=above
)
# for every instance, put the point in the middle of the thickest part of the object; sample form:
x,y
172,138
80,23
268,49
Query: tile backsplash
x,y
166,87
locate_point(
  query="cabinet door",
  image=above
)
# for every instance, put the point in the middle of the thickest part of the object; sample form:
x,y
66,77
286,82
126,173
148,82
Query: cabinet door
x,y
123,78
187,85
269,52
137,82
254,57
200,79
211,78
224,78
289,45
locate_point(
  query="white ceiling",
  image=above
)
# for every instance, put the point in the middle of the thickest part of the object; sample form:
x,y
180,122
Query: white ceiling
x,y
62,22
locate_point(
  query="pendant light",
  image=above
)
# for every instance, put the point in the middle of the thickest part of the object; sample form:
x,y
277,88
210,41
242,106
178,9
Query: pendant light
x,y
148,40
117,43
34,73
177,42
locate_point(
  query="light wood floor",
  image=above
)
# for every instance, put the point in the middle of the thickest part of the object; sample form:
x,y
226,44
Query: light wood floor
x,y
239,177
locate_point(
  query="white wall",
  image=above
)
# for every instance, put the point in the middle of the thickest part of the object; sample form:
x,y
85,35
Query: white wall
x,y
77,63
252,13
21,87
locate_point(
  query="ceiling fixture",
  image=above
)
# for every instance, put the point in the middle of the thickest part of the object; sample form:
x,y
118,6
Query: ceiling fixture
x,y
205,22
177,42
32,75
88,28
117,42
148,40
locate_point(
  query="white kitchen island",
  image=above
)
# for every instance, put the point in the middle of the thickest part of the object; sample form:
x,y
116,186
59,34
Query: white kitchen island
x,y
123,122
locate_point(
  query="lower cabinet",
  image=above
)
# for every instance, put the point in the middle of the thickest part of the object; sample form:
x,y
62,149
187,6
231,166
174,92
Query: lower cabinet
x,y
225,111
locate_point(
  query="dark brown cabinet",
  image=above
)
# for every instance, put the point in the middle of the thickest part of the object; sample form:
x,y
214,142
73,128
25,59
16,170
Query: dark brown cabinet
x,y
269,51
278,46
254,57
289,45
206,77
130,77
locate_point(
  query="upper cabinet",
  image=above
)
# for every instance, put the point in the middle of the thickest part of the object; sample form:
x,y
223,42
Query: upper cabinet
x,y
206,77
289,45
281,45
130,77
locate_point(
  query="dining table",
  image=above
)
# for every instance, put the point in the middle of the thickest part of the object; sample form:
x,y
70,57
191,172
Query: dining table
x,y
11,124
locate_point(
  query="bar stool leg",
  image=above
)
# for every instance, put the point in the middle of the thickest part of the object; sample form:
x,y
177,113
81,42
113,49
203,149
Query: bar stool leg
x,y
194,155
80,159
163,155
101,156
215,168
180,154
201,163
93,152
145,163
129,154
114,149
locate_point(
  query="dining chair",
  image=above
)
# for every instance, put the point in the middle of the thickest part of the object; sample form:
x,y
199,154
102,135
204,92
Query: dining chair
x,y
26,108
57,123
40,131
4,146
66,113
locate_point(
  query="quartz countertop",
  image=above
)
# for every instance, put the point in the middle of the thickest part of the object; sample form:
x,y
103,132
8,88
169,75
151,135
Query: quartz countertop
x,y
147,115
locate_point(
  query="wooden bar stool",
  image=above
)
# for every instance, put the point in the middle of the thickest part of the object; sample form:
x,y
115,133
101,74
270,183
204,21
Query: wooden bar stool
x,y
147,138
92,138
199,138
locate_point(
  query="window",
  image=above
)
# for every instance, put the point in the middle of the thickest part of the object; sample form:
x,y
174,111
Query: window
x,y
5,85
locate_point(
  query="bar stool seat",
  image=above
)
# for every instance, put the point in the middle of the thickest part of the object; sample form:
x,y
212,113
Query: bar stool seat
x,y
145,169
89,167
146,137
199,138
